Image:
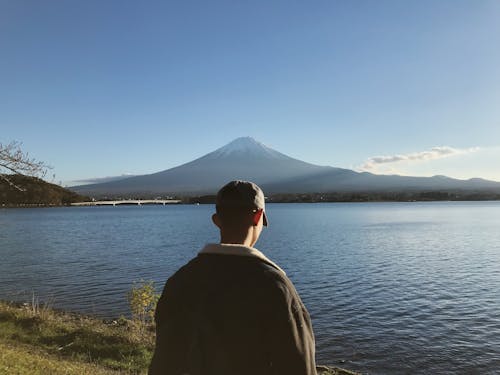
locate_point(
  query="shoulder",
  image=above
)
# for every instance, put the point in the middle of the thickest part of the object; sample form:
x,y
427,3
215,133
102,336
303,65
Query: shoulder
x,y
230,270
183,274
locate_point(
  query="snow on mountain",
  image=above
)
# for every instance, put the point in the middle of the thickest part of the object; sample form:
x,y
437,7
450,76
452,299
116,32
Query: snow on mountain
x,y
244,147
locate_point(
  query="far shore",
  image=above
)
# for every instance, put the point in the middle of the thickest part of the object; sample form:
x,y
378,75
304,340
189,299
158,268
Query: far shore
x,y
272,199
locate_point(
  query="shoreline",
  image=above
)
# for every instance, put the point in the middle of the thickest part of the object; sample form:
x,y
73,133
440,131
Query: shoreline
x,y
38,339
41,205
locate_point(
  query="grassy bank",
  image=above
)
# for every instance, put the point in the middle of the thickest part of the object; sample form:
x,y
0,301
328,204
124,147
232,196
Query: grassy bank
x,y
89,345
44,341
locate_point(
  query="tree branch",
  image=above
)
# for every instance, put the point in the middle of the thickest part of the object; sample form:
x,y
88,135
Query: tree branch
x,y
13,159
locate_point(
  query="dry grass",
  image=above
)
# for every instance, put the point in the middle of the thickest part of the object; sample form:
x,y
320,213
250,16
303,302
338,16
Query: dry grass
x,y
120,345
18,359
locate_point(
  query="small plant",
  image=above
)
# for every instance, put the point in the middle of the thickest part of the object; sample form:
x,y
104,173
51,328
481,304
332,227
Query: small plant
x,y
40,310
142,299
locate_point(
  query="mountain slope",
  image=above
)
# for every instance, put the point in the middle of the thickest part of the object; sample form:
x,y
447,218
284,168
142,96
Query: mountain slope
x,y
245,158
345,180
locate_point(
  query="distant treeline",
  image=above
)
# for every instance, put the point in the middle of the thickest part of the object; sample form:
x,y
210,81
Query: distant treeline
x,y
384,197
35,192
366,197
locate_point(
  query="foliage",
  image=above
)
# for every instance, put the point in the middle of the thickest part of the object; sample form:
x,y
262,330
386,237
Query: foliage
x,y
36,192
142,300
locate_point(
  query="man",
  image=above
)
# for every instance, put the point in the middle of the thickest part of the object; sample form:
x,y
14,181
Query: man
x,y
231,310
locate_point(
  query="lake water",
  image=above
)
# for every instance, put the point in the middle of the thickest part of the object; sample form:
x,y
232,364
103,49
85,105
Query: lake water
x,y
392,288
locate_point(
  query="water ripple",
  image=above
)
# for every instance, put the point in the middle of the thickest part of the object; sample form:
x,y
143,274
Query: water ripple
x,y
391,288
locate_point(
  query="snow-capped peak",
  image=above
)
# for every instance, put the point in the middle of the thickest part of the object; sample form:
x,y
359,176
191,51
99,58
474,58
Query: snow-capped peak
x,y
242,144
246,146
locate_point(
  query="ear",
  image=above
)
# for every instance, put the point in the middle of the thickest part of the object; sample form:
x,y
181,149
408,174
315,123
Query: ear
x,y
256,217
216,220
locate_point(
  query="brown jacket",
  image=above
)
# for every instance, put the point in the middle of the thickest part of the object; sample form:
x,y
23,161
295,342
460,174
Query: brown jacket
x,y
228,314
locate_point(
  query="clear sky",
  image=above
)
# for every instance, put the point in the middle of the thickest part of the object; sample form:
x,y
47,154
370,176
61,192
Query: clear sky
x,y
104,88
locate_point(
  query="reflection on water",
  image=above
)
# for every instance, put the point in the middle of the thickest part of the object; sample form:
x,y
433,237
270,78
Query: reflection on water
x,y
392,287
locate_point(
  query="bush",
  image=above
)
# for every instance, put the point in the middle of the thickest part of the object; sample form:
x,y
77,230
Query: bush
x,y
142,299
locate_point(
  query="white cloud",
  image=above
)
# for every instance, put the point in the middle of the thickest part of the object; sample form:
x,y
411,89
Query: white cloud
x,y
440,152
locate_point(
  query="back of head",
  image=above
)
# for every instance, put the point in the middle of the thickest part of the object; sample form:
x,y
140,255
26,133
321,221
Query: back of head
x,y
237,201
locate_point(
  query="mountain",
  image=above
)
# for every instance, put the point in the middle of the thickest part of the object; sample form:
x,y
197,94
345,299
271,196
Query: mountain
x,y
243,158
246,158
345,180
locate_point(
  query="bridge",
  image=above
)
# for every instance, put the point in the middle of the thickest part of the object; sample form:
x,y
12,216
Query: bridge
x,y
138,202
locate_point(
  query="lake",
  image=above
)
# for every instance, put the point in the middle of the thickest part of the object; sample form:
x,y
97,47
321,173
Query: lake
x,y
392,288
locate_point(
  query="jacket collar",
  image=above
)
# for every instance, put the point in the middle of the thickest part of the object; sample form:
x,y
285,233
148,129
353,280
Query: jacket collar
x,y
239,250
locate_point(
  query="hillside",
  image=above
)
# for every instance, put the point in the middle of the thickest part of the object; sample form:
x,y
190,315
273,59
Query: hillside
x,y
37,192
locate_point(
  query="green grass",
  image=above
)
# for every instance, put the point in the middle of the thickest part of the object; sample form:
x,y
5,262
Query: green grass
x,y
19,359
123,346
51,342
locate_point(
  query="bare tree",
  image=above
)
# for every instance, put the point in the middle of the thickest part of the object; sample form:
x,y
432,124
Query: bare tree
x,y
14,161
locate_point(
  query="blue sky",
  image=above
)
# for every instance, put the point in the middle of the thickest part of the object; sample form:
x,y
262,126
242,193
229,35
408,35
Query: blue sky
x,y
104,88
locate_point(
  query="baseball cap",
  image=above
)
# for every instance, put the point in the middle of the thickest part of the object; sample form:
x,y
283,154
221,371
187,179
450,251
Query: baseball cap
x,y
241,194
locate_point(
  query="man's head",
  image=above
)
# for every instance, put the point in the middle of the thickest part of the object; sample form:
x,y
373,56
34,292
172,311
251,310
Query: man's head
x,y
240,211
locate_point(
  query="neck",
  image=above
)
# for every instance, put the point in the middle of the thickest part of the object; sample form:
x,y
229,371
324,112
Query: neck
x,y
238,238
